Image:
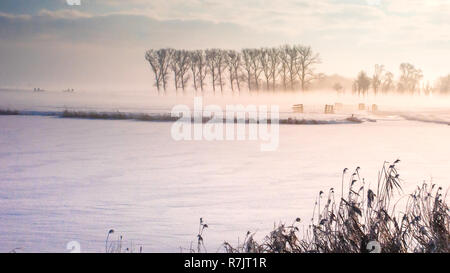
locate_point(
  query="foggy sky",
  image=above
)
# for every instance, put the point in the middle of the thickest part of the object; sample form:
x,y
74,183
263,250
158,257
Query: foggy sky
x,y
101,43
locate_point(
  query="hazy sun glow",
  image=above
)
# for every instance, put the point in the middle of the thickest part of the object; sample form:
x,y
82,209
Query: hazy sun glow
x,y
51,43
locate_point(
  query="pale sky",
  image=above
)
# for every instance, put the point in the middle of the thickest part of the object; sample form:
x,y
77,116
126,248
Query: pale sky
x,y
102,43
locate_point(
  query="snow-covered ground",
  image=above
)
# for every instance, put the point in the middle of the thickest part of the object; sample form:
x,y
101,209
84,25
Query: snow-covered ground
x,y
65,180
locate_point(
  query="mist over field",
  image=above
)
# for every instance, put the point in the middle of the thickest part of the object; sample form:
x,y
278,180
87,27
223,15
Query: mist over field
x,y
93,152
148,101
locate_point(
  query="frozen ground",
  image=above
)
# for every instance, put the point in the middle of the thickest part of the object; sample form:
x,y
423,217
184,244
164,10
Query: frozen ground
x,y
70,179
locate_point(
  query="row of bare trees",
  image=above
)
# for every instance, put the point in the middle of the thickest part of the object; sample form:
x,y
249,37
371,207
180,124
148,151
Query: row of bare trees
x,y
278,68
383,81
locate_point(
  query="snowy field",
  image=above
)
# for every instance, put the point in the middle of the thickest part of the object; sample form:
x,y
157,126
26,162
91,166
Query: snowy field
x,y
65,180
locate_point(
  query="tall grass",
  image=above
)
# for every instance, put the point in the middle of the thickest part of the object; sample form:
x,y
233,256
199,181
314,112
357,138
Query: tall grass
x,y
118,245
361,217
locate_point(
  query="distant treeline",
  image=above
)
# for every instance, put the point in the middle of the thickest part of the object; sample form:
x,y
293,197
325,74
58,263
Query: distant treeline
x,y
278,68
284,68
408,82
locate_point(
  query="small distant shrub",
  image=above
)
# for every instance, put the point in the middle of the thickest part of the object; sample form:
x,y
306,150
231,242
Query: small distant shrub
x,y
354,119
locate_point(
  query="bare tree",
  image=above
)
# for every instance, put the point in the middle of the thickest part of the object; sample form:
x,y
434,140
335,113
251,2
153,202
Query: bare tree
x,y
215,60
219,61
377,78
290,59
228,64
159,61
283,70
151,57
256,66
388,82
201,63
182,59
233,62
264,60
362,83
246,57
306,61
210,55
410,78
193,59
174,68
180,65
274,62
236,62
